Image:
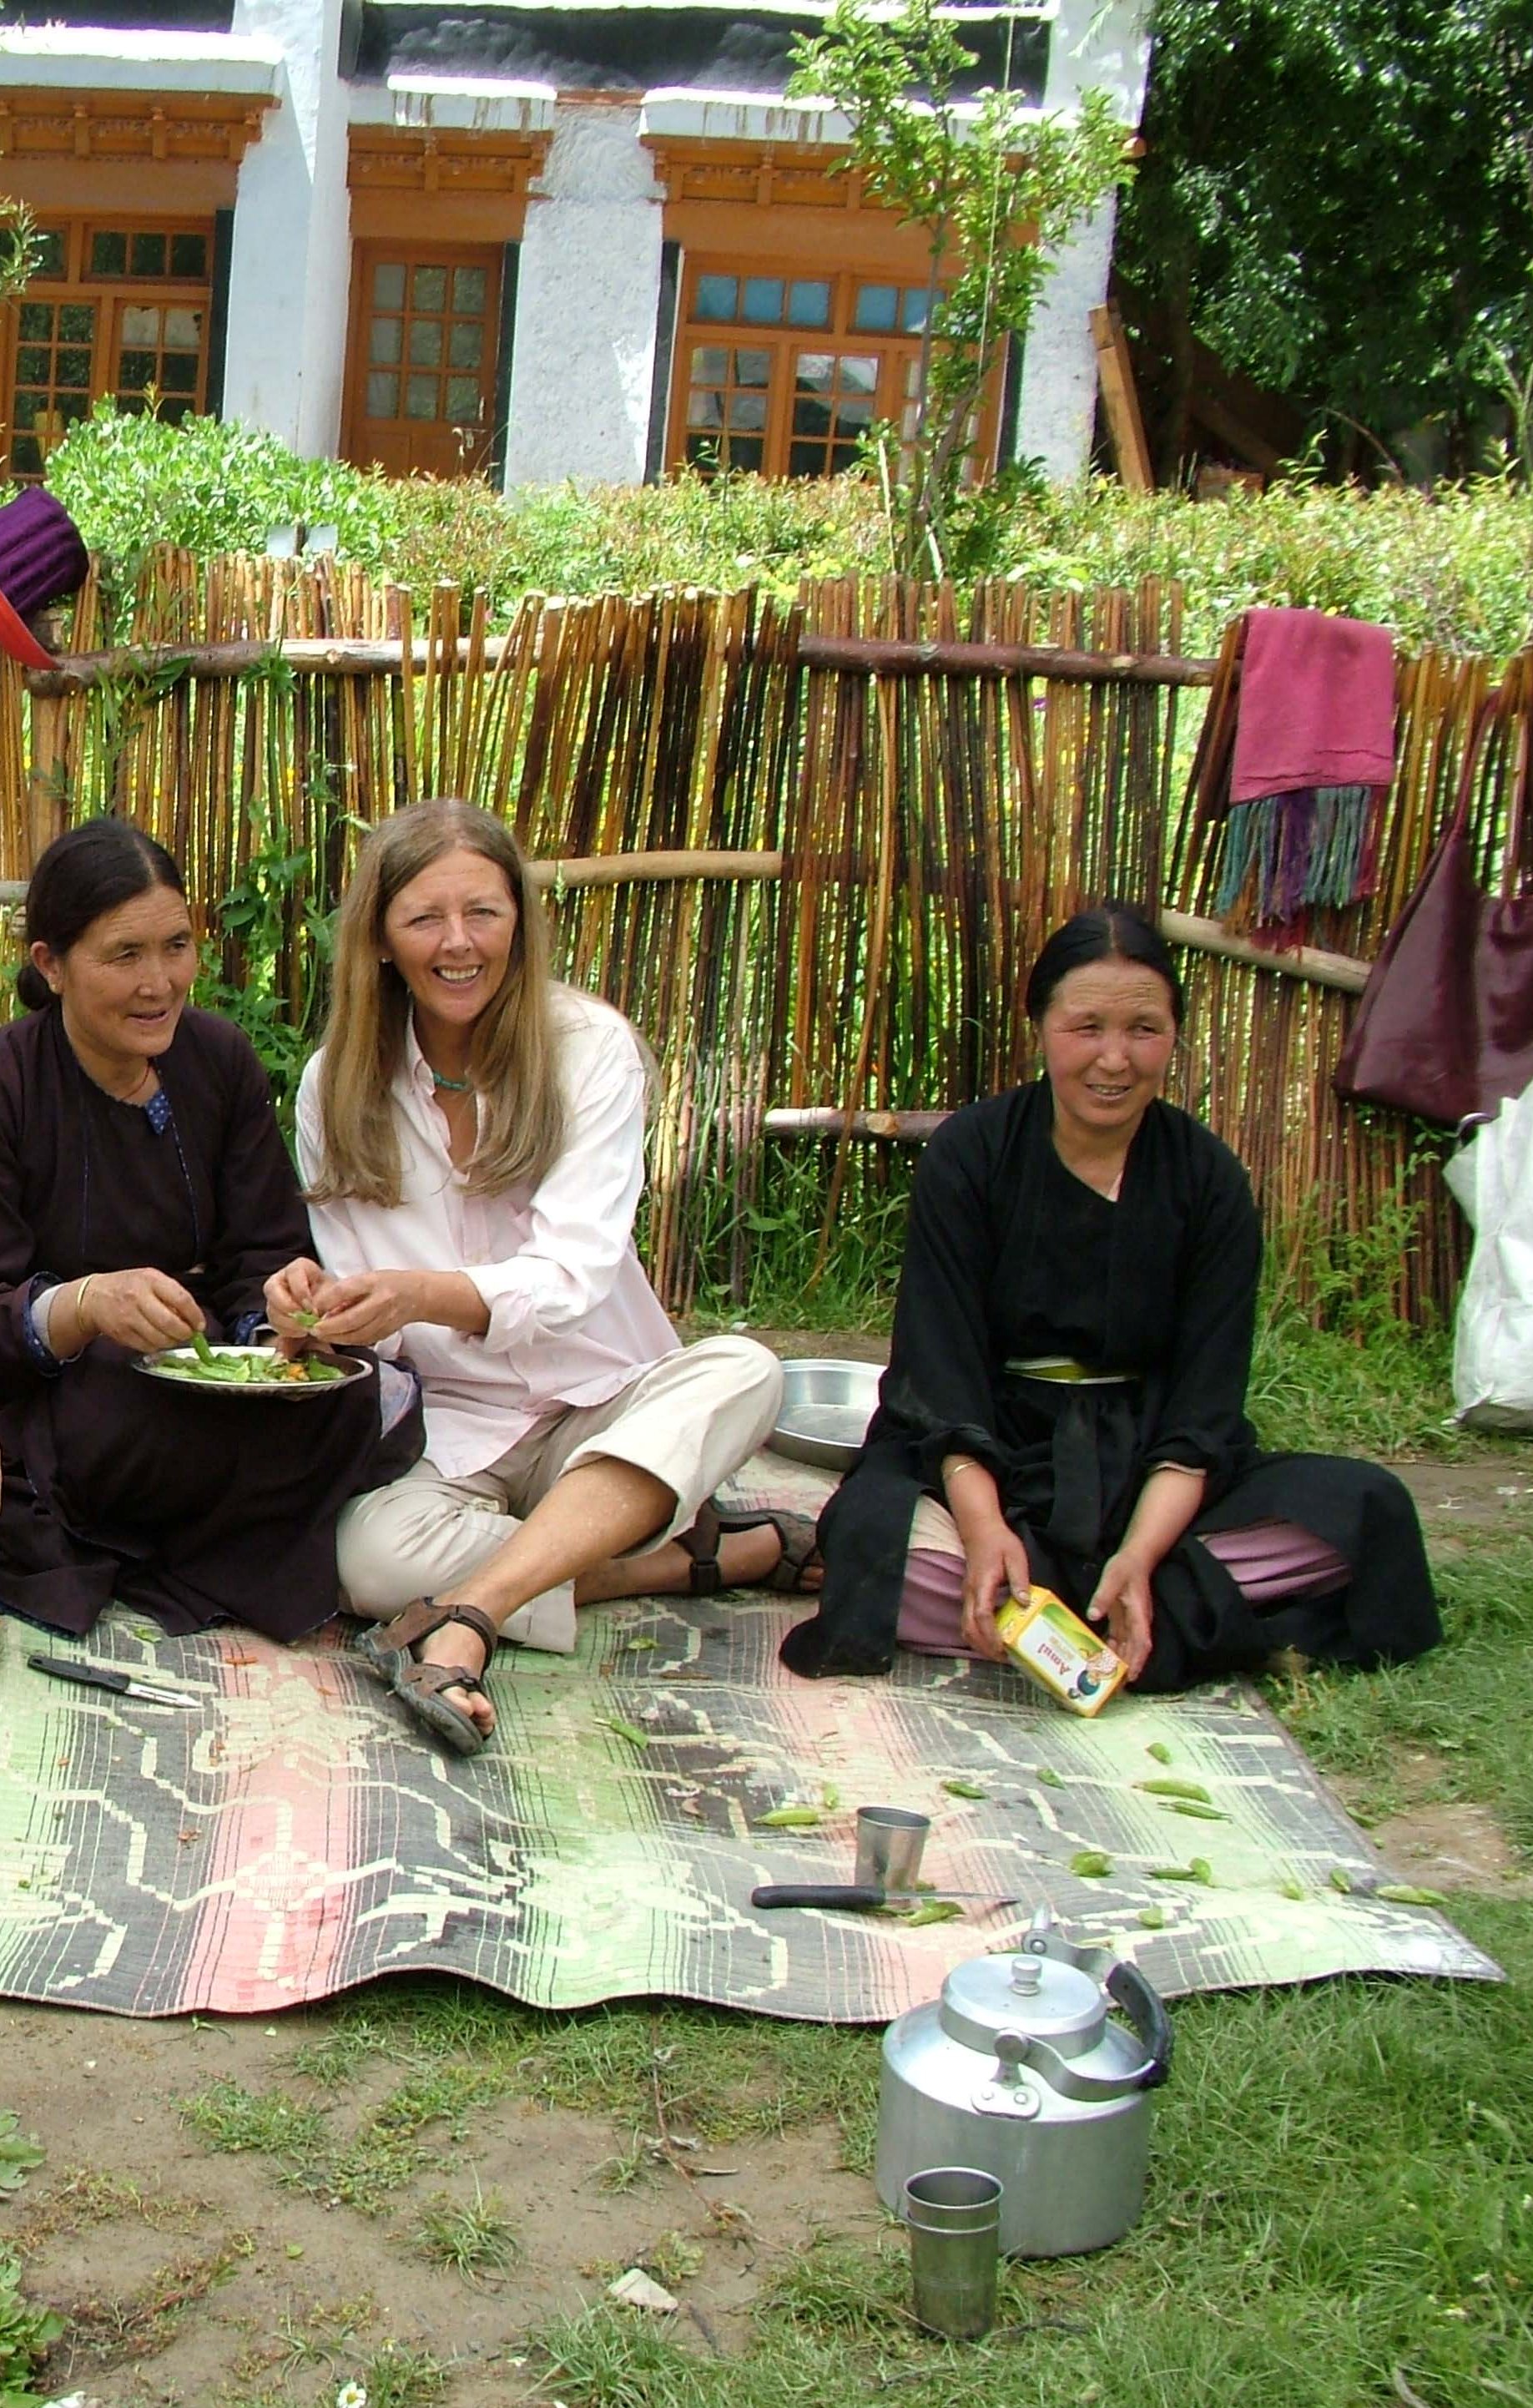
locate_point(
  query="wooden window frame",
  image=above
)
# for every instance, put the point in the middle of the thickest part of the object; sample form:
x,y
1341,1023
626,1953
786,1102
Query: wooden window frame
x,y
108,296
841,338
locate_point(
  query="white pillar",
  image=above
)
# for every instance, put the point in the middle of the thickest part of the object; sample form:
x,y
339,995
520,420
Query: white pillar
x,y
588,289
290,275
1090,48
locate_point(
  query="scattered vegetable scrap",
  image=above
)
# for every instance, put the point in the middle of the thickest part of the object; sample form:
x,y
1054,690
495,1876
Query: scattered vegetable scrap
x,y
1091,1864
789,1818
1194,1806
629,1732
1193,1789
1158,1749
965,1789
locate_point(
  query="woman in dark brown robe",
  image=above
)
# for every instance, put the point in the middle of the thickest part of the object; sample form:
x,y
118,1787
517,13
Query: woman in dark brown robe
x,y
145,1194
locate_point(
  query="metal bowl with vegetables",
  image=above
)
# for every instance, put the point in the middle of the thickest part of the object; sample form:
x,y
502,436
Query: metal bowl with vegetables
x,y
253,1370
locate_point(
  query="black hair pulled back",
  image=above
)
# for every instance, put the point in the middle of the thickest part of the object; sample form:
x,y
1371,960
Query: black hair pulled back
x,y
87,871
1107,932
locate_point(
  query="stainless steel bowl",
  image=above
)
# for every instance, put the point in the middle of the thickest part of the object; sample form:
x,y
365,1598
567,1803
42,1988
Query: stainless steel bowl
x,y
826,1408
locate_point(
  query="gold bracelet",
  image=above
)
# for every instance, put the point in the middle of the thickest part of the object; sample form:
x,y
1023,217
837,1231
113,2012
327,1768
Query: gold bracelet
x,y
961,1463
80,1294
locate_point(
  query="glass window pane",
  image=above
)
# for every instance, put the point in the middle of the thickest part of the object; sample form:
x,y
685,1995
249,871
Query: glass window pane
x,y
421,396
73,368
178,372
810,416
53,254
465,343
704,408
26,456
73,407
173,411
808,304
763,304
384,339
36,322
26,408
382,396
387,285
748,411
710,367
742,451
425,343
815,371
140,325
752,367
463,400
716,298
852,416
877,308
913,313
108,254
189,254
77,323
842,456
806,460
136,369
858,374
184,329
147,254
33,367
468,288
428,289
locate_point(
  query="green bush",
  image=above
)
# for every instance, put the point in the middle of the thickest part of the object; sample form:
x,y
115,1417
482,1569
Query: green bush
x,y
1453,567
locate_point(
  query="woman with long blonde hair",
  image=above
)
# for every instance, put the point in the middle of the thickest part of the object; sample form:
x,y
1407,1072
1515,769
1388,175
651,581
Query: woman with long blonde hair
x,y
471,1136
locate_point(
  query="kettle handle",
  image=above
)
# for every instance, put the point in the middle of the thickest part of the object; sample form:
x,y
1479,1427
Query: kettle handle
x,y
1142,2002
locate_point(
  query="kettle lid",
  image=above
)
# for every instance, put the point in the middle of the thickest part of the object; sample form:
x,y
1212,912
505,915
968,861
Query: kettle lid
x,y
1031,1994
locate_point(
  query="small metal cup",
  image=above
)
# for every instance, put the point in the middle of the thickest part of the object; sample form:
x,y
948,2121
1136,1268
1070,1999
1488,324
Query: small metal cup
x,y
954,2217
889,1846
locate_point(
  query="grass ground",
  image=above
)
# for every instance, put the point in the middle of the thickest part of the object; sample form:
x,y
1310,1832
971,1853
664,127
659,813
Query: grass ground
x,y
1341,2213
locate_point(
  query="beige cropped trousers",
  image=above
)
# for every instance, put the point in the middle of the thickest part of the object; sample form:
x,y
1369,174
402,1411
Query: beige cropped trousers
x,y
689,1420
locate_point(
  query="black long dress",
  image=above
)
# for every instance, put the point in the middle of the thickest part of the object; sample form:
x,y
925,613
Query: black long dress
x,y
198,1509
1009,1258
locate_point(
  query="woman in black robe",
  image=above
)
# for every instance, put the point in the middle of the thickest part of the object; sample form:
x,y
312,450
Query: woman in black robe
x,y
145,1194
1065,1400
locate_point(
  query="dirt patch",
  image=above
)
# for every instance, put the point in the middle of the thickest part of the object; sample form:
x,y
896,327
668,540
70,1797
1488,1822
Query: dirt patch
x,y
189,2276
1459,1502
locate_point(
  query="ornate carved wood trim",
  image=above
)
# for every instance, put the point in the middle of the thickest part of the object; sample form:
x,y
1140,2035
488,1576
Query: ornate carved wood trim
x,y
38,121
443,159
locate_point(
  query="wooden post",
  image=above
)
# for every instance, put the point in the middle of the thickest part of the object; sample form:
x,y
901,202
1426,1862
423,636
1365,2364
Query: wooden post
x,y
1116,374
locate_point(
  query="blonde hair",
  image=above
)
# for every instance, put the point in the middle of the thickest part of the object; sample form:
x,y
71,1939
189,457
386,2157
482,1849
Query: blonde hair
x,y
513,1060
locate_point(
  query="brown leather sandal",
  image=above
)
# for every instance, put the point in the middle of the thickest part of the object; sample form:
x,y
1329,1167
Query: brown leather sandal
x,y
797,1536
386,1646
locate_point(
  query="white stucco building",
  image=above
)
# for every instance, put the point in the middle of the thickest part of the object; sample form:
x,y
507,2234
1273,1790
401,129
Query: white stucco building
x,y
546,241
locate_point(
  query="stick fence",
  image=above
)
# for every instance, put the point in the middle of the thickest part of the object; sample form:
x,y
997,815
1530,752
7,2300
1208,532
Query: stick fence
x,y
810,850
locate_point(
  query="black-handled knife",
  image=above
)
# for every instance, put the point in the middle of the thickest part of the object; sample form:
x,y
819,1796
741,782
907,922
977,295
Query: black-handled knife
x,y
854,1896
107,1676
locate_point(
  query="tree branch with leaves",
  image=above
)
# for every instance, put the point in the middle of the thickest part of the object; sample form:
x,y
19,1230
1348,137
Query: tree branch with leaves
x,y
998,190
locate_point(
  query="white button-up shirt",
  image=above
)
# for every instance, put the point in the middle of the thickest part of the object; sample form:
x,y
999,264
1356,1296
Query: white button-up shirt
x,y
572,1317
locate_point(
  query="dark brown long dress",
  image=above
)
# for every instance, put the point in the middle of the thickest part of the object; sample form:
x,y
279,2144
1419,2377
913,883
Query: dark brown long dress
x,y
196,1509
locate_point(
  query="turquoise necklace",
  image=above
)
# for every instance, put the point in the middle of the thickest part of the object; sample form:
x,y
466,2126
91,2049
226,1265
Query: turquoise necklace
x,y
453,1086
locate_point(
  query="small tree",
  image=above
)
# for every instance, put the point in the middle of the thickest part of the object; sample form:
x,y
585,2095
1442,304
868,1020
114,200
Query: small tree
x,y
997,191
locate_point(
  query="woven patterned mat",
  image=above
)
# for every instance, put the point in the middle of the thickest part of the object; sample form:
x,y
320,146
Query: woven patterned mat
x,y
293,1835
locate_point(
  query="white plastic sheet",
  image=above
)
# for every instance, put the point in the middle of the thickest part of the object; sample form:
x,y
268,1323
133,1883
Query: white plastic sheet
x,y
1493,1337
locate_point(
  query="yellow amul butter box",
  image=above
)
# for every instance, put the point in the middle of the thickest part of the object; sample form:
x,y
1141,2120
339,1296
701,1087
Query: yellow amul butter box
x,y
1059,1651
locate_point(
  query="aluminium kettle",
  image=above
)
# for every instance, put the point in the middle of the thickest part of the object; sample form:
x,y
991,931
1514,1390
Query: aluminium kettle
x,y
1017,2072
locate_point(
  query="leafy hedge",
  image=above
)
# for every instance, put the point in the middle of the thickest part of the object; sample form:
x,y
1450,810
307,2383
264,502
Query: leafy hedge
x,y
1453,567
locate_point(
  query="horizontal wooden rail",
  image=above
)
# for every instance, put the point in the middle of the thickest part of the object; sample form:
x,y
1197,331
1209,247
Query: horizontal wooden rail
x,y
829,1120
1309,961
629,868
849,656
862,655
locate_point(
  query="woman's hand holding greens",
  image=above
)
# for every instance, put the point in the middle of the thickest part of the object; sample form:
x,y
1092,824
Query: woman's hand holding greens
x,y
143,1309
370,1305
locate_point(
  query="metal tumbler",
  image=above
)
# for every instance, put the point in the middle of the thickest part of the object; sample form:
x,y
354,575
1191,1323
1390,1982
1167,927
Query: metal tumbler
x,y
889,1846
954,2217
